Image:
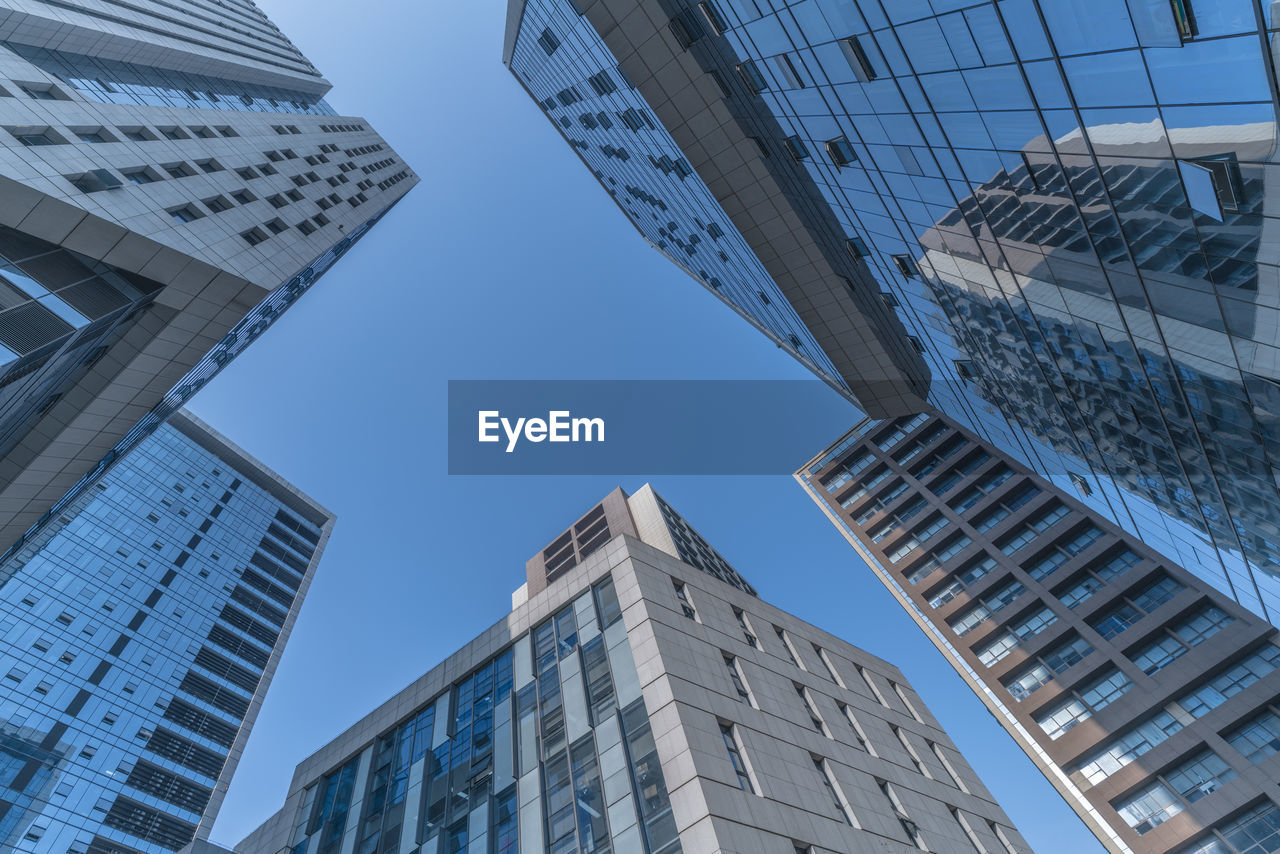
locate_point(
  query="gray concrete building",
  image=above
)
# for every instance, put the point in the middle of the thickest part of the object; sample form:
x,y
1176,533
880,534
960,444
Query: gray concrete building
x,y
171,180
139,632
1145,696
642,698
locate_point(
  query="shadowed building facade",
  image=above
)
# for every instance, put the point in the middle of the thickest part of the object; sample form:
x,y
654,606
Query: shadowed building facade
x,y
1145,696
641,699
139,631
171,180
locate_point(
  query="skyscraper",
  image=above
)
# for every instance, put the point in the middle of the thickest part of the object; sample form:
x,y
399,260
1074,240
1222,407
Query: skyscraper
x,y
1066,220
171,180
139,631
1145,696
641,699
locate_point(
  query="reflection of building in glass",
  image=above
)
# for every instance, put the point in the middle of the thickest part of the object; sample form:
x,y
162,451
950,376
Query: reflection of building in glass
x,y
29,763
171,180
139,631
640,698
1060,214
1146,697
1066,348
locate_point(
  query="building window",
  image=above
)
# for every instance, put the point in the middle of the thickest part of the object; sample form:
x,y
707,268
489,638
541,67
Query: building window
x,y
1257,831
837,797
859,735
682,595
858,59
1124,614
786,644
747,634
186,213
735,678
1188,633
996,514
1167,796
871,686
736,758
1051,662
815,719
713,17
548,42
826,663
686,27
948,767
1029,531
1097,695
1258,738
1183,19
751,76
796,148
841,151
909,827
920,767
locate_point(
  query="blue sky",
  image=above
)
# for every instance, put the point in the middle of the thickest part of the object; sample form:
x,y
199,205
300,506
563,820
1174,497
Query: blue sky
x,y
508,261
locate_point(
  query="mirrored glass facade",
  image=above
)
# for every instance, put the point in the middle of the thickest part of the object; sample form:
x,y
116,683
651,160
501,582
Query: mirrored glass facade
x,y
174,177
1065,205
110,82
138,633
615,133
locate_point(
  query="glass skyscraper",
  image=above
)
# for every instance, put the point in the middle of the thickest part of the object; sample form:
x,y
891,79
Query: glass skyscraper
x,y
139,630
641,699
1061,204
171,180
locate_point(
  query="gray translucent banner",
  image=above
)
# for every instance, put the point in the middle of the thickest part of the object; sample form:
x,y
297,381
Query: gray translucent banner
x,y
641,427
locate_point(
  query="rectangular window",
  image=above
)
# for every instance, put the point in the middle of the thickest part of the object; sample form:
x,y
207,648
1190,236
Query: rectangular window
x,y
736,759
752,77
837,798
786,644
713,17
186,213
747,634
841,151
790,72
735,679
909,827
826,663
687,28
1258,738
815,719
859,735
920,767
858,59
796,148
548,42
682,595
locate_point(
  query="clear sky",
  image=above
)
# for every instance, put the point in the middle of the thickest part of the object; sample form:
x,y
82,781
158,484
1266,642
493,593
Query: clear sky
x,y
508,261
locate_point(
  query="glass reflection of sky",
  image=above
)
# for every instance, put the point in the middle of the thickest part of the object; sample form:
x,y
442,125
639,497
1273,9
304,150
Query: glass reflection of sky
x,y
1086,197
1085,186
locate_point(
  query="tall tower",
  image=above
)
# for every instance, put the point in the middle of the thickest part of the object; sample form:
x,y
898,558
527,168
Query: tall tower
x,y
641,698
139,630
1056,234
1145,696
171,180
